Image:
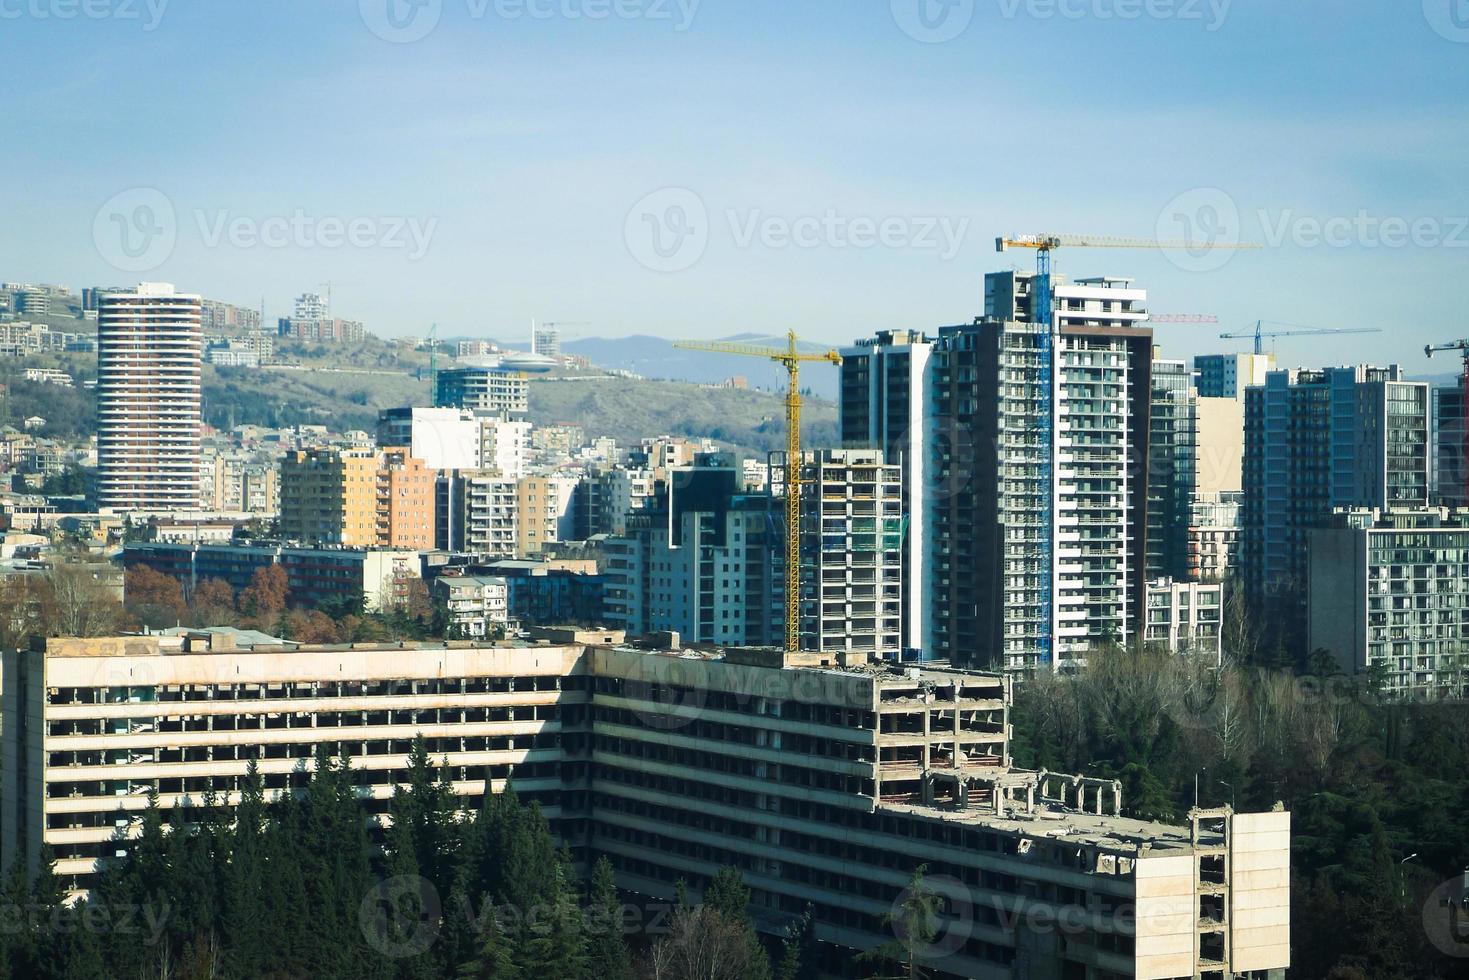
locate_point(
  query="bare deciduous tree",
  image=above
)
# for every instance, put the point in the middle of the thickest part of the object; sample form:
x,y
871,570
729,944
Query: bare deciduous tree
x,y
82,602
701,945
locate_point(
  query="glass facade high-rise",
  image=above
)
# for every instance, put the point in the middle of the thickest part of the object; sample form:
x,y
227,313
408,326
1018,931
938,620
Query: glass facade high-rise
x,y
1316,440
1172,452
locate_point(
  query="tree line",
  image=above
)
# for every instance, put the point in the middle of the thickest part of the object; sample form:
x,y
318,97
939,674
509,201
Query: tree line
x,y
158,601
309,886
1377,790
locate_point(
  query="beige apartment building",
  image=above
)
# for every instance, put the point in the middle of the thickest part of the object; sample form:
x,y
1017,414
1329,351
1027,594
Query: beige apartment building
x,y
543,503
357,498
405,502
826,780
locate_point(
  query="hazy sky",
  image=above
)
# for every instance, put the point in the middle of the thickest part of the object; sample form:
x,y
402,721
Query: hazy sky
x,y
703,168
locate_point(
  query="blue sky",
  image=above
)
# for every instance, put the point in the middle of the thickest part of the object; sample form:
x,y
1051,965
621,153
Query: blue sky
x,y
536,152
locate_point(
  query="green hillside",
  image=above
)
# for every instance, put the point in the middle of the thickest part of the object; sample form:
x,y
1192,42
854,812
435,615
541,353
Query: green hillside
x,y
345,390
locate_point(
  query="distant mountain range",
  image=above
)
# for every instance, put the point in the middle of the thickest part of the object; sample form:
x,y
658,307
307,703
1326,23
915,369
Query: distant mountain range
x,y
655,357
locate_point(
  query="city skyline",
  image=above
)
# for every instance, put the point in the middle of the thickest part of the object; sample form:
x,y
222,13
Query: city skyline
x,y
504,166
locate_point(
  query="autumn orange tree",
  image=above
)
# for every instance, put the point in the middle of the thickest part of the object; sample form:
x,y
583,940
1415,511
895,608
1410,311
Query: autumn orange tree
x,y
265,596
213,603
155,599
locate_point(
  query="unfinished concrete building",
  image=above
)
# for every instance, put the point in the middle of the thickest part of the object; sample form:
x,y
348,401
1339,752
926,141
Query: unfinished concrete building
x,y
826,780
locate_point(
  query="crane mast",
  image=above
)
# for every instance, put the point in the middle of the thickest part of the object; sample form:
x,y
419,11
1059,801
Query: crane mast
x,y
791,358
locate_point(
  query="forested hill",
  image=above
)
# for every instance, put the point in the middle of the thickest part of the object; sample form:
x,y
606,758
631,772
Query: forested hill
x,y
345,393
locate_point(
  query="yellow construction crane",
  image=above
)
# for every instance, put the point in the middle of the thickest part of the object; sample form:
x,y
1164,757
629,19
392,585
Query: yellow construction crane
x,y
790,358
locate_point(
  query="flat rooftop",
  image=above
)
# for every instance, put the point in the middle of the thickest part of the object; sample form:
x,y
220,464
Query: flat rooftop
x,y
1111,833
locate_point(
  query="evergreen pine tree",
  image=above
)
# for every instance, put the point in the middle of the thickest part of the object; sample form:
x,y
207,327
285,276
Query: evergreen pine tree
x,y
462,915
800,952
728,897
242,899
407,928
608,957
552,942
493,960
22,945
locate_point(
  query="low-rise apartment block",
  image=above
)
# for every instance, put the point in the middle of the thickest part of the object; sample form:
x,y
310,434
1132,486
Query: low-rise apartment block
x,y
1186,617
373,577
477,605
329,330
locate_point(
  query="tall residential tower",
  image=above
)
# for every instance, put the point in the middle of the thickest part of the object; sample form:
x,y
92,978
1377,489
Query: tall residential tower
x,y
148,399
886,405
1024,451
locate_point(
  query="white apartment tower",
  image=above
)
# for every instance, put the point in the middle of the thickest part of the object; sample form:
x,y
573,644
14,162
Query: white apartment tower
x,y
1037,495
886,404
148,399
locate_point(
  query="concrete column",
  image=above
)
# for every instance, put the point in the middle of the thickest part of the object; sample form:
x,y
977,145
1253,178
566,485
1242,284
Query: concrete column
x,y
927,736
